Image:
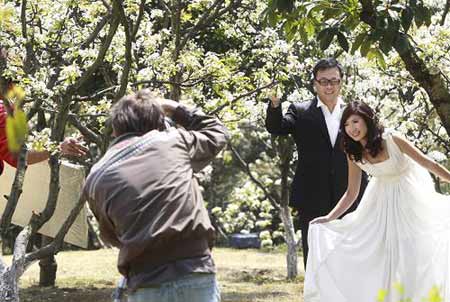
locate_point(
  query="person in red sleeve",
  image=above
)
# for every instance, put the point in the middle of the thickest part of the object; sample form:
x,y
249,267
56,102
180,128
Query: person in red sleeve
x,y
70,146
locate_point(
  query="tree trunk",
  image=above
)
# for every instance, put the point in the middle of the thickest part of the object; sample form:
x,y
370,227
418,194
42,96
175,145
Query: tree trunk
x,y
281,203
285,148
175,92
48,266
9,288
291,257
9,276
432,80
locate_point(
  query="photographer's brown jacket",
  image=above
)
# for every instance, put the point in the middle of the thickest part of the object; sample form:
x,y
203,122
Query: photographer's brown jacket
x,y
148,202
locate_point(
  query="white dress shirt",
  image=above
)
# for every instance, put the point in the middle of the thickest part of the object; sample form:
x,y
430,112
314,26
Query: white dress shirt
x,y
332,119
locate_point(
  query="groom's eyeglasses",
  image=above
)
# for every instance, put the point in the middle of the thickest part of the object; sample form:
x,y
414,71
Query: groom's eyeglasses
x,y
326,82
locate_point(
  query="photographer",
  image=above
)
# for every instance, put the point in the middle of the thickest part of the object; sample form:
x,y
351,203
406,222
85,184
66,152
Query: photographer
x,y
148,202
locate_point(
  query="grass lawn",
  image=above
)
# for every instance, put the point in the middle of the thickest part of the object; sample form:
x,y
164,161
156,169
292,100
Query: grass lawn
x,y
90,276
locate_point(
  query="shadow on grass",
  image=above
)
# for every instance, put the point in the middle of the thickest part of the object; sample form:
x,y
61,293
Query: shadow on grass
x,y
242,285
253,296
256,276
58,294
256,285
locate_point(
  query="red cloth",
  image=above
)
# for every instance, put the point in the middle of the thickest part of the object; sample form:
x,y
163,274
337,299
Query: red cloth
x,y
5,155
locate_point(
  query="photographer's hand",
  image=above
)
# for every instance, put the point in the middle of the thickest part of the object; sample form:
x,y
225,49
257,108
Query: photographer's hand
x,y
168,106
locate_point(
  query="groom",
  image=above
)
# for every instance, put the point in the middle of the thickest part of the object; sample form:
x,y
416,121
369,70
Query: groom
x,y
321,175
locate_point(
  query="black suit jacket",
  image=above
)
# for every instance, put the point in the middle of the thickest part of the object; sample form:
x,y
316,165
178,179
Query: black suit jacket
x,y
321,175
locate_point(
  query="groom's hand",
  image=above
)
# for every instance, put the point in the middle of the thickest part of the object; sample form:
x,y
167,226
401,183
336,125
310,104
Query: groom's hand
x,y
275,101
275,96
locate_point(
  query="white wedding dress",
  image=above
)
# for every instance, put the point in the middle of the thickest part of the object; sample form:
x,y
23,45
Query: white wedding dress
x,y
399,234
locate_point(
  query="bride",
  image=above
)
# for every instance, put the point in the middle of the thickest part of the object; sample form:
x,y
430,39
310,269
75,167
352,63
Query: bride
x,y
399,234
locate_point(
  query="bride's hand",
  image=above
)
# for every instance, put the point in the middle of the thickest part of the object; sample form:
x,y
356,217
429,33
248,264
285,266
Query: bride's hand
x,y
321,219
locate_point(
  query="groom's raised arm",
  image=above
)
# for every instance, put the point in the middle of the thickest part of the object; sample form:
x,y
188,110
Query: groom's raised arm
x,y
278,124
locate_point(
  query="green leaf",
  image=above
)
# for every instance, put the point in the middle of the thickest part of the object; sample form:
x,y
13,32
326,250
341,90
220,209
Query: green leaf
x,y
322,33
381,296
365,47
13,144
394,15
358,41
434,295
325,38
313,6
343,41
21,124
427,16
377,34
419,16
293,30
381,8
371,54
397,7
393,26
16,130
399,288
386,45
401,44
407,18
389,35
304,35
270,17
331,13
380,60
309,27
6,14
285,6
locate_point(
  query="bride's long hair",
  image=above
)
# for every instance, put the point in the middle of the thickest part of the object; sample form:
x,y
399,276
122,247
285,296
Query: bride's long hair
x,y
374,131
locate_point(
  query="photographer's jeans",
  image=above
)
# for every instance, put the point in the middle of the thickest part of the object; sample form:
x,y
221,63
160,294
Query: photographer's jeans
x,y
191,288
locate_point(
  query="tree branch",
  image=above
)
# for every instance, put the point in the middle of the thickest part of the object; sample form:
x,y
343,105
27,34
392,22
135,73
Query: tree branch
x,y
115,20
259,89
444,14
30,58
138,20
98,28
16,191
19,264
57,243
128,48
186,83
88,133
97,93
106,4
368,13
247,170
52,198
431,80
175,92
206,14
210,14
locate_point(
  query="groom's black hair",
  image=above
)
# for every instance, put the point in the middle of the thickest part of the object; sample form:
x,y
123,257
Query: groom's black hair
x,y
327,63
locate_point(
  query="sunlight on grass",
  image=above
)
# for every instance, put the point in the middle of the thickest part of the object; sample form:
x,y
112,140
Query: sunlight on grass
x,y
90,276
